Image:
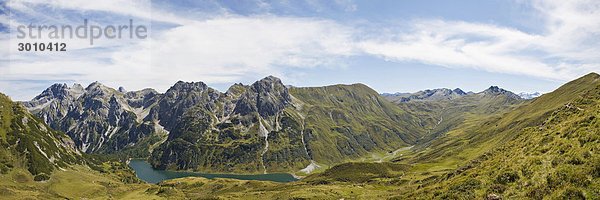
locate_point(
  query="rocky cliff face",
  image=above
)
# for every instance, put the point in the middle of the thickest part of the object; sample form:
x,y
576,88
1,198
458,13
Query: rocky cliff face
x,y
235,132
266,97
98,118
54,103
179,99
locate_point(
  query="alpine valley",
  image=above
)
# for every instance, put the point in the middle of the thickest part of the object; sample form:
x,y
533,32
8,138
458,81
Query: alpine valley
x,y
342,141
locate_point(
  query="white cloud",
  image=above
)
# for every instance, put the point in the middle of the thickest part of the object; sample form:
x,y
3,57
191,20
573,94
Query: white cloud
x,y
461,44
568,47
135,8
230,48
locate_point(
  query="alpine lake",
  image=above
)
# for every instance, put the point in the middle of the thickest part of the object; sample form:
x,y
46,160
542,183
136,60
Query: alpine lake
x,y
145,172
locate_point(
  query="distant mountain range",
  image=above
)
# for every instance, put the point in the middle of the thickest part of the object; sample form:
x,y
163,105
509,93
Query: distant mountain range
x,y
439,94
394,94
263,127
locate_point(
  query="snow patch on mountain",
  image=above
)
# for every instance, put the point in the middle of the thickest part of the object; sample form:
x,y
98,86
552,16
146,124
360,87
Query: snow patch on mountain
x,y
529,95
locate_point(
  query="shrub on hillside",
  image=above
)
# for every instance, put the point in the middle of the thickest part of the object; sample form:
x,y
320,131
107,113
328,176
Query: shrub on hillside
x,y
507,177
41,177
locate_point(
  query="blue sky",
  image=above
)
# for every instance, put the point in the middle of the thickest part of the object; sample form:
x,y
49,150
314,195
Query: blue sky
x,y
392,46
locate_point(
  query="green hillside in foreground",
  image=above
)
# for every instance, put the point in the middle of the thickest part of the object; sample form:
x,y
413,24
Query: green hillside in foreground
x,y
37,162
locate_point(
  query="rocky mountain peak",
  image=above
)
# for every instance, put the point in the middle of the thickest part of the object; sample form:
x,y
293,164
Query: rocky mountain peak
x,y
186,87
495,91
77,90
236,90
459,91
122,89
59,86
94,85
268,84
98,90
77,87
55,96
92,115
266,96
57,90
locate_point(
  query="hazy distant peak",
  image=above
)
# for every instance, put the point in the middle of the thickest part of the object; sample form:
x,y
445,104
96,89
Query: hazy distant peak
x,y
459,91
394,94
440,94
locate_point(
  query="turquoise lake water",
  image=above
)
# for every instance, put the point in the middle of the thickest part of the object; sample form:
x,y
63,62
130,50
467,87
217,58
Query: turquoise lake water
x,y
145,172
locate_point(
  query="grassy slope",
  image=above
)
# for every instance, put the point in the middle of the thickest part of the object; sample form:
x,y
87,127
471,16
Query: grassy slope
x,y
30,143
75,183
552,152
355,120
486,125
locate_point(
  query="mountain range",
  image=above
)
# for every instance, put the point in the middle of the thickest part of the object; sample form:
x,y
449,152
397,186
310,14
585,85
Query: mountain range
x,y
263,127
349,142
258,128
428,95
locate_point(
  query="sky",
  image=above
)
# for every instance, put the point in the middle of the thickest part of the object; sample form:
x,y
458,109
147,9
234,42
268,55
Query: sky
x,y
389,45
